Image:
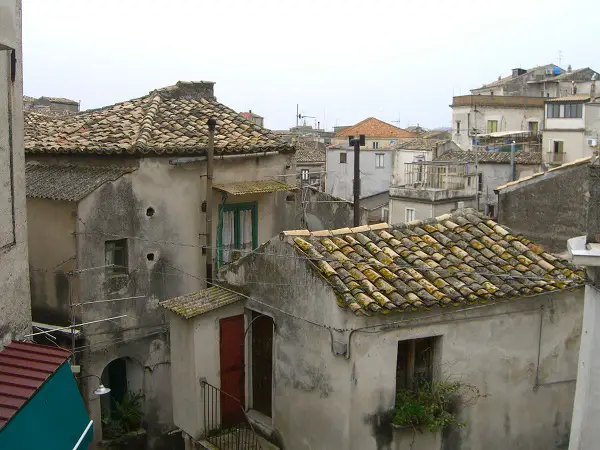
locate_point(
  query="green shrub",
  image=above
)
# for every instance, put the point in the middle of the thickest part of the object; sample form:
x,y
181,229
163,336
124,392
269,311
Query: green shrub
x,y
433,405
125,417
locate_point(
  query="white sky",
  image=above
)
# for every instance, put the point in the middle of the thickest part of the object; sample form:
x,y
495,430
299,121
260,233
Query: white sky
x,y
341,60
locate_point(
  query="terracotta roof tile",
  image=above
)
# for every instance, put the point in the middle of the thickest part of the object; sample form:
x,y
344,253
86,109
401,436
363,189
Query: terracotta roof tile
x,y
521,157
372,127
310,152
68,182
192,305
452,260
166,121
254,187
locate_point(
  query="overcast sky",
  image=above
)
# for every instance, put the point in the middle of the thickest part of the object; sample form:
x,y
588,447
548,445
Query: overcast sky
x,y
341,61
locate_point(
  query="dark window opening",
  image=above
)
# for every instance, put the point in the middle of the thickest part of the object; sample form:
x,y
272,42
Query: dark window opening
x,y
150,212
414,363
480,182
115,257
150,256
342,158
558,146
262,363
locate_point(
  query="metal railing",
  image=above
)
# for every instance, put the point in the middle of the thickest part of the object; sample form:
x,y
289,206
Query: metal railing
x,y
239,434
438,176
555,158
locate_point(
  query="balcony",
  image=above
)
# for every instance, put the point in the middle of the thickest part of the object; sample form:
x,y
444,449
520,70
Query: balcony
x,y
556,158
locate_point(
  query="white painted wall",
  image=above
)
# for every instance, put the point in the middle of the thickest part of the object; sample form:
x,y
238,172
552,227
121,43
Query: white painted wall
x,y
340,176
402,156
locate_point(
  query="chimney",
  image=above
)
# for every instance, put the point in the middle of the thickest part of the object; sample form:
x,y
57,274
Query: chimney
x,y
194,90
518,72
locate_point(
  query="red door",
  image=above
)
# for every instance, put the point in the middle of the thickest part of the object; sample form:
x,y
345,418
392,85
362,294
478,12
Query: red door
x,y
232,370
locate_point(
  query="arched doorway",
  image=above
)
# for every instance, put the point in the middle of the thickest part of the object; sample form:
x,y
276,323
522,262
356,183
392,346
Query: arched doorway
x,y
122,408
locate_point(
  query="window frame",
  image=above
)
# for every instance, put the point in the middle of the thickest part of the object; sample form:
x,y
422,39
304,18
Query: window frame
x,y
116,270
375,145
304,174
380,157
492,126
408,366
458,127
343,158
236,208
406,211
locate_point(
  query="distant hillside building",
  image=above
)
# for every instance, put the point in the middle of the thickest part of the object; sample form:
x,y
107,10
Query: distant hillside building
x,y
50,105
255,118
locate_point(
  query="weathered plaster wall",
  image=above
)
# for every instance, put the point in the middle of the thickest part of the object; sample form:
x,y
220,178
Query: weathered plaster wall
x,y
347,403
340,176
15,308
574,144
324,211
165,260
52,254
423,209
549,209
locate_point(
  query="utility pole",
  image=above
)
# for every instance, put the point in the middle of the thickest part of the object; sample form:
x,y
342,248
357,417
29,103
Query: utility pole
x,y
356,188
297,114
210,153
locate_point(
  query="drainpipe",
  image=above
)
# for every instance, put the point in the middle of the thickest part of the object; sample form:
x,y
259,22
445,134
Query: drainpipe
x,y
193,159
513,171
212,123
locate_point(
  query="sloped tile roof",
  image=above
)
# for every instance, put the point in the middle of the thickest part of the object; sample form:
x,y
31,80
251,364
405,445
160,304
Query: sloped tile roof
x,y
254,187
166,121
540,175
452,260
310,152
418,144
521,157
192,305
570,98
67,181
24,368
373,127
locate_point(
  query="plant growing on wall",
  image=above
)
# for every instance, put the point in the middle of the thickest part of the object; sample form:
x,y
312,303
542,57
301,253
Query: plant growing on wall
x,y
125,417
433,405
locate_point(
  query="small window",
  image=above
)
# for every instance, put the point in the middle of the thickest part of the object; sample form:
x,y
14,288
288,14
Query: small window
x,y
492,126
375,145
414,362
480,182
533,127
115,257
343,158
458,127
304,174
410,214
379,160
558,146
491,211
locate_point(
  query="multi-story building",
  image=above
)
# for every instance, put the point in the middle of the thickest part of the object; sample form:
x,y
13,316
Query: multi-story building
x,y
15,308
572,128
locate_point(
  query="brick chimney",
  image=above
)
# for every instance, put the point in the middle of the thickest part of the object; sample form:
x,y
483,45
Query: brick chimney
x,y
194,90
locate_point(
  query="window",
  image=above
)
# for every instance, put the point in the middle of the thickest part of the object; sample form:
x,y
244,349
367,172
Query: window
x,y
343,158
238,230
566,111
558,146
375,145
414,362
491,211
533,127
304,174
115,257
458,127
410,214
492,126
379,160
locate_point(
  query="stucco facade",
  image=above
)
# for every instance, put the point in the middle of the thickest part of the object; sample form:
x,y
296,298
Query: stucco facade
x,y
375,171
475,114
335,389
157,209
15,309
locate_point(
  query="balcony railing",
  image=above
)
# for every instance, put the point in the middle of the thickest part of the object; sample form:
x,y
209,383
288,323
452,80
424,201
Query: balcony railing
x,y
436,176
556,158
238,434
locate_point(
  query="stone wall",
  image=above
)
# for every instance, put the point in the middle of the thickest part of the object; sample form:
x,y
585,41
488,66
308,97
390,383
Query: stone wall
x,y
550,208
